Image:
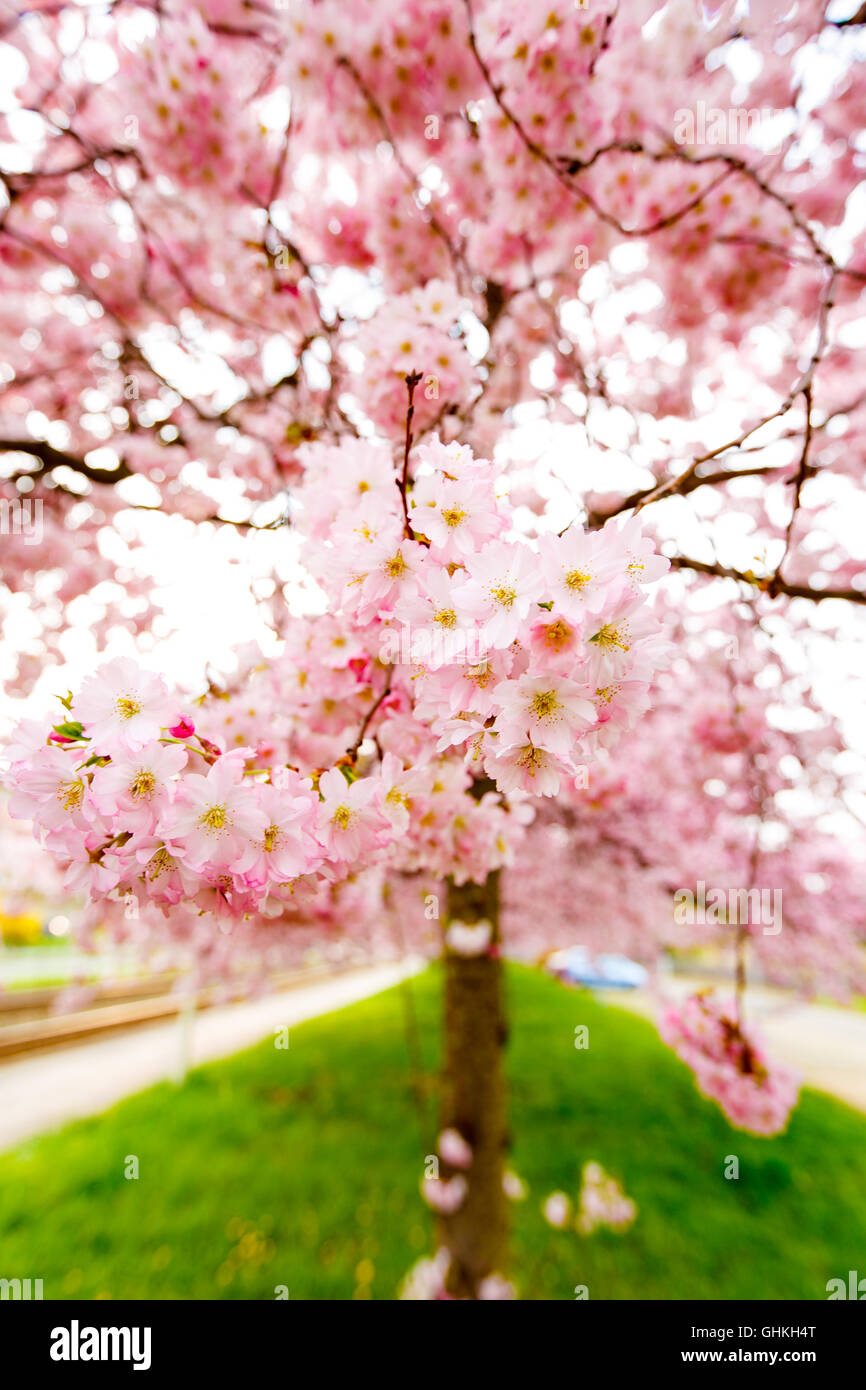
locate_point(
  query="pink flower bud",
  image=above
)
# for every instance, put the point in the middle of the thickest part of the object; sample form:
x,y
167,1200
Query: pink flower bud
x,y
184,728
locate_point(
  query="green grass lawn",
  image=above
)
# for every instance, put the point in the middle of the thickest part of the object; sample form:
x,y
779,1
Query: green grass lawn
x,y
300,1167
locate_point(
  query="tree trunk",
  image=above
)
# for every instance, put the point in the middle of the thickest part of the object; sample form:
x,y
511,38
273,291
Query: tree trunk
x,y
473,1094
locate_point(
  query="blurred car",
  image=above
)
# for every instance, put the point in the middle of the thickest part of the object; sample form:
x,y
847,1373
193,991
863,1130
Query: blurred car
x,y
608,971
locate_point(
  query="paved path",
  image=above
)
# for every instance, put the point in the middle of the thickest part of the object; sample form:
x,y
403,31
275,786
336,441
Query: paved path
x,y
827,1045
44,1091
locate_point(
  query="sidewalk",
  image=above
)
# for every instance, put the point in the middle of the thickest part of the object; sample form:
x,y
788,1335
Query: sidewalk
x,y
44,1091
825,1044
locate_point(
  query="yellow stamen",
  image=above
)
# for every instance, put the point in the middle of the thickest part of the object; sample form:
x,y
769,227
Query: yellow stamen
x,y
71,794
127,706
557,635
143,783
606,693
396,566
158,864
531,758
609,637
480,675
545,704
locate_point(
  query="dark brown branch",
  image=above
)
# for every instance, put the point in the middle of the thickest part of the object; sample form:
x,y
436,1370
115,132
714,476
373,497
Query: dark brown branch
x,y
352,753
51,458
412,381
771,584
687,484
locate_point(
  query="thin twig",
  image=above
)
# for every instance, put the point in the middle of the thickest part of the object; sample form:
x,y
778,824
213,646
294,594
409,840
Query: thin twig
x,y
352,753
412,381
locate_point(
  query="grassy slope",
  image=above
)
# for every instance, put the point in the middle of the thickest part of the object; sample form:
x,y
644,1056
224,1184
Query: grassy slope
x,y
300,1167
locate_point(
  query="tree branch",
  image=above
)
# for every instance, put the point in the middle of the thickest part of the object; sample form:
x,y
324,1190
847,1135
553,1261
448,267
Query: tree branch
x,y
51,458
771,584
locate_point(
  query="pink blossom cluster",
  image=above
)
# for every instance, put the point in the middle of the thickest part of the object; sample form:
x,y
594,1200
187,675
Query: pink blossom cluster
x,y
602,1202
427,1282
556,1209
181,89
730,777
306,707
454,1149
228,177
418,331
445,1195
730,1066
137,810
526,656
239,812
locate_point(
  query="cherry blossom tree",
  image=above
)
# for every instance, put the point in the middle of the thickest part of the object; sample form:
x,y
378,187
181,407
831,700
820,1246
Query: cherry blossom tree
x,y
716,823
489,315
